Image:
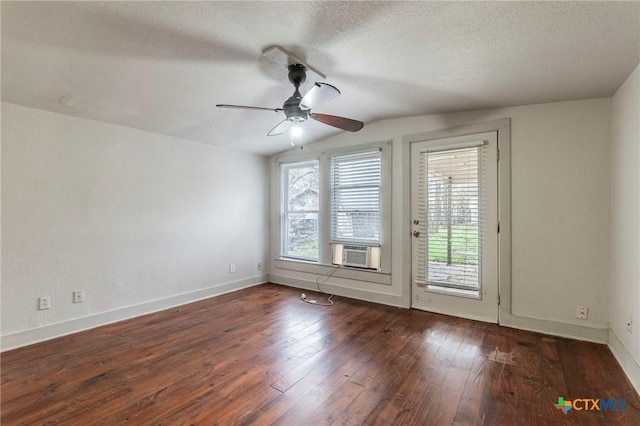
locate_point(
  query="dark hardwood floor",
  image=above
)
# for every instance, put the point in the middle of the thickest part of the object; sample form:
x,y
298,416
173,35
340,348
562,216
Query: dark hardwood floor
x,y
262,356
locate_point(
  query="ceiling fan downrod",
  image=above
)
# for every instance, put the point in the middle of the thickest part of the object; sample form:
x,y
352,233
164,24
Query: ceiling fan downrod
x,y
291,107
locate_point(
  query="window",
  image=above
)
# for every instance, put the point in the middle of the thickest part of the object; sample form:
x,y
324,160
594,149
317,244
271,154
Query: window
x,y
342,195
355,197
300,189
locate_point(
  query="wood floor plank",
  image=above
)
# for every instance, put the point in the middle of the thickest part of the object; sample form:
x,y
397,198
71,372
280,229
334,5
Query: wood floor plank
x,y
409,359
451,370
407,395
359,324
261,356
340,366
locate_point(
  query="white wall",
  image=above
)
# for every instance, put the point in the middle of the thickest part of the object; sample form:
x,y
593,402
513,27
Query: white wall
x,y
560,210
625,226
137,220
142,221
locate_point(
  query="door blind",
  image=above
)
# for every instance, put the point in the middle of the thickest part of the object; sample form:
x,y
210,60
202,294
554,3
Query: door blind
x,y
355,197
451,212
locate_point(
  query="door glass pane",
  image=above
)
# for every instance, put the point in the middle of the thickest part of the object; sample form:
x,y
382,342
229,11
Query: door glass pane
x,y
454,215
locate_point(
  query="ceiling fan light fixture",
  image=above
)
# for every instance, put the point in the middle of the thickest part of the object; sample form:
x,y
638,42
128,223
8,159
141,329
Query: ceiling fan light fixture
x,y
296,131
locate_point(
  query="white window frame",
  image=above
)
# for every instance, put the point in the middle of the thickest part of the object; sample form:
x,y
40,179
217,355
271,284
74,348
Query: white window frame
x,y
284,209
334,221
324,219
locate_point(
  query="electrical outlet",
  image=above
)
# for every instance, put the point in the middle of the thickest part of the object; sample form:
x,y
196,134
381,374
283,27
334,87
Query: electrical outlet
x,y
44,302
232,268
582,312
259,266
78,296
630,325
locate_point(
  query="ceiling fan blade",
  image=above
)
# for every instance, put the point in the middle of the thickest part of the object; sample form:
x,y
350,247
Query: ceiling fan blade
x,y
318,94
248,107
339,122
282,127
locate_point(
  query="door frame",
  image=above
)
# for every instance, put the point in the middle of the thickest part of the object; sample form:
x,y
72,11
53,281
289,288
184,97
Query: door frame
x,y
503,129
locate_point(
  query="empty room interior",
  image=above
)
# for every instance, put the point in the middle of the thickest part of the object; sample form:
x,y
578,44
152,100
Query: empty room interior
x,y
302,213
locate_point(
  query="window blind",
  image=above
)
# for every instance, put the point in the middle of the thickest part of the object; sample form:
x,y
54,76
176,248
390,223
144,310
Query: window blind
x,y
355,197
451,207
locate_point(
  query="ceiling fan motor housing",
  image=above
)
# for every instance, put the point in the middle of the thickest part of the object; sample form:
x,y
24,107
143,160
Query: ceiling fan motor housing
x,y
297,74
292,109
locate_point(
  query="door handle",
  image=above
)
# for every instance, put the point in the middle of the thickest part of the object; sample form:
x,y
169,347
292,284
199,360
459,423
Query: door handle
x,y
416,234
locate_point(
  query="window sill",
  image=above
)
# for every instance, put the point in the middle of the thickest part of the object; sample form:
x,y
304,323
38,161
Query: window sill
x,y
377,277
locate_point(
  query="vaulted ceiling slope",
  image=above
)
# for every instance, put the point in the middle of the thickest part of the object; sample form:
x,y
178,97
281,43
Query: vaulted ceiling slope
x,y
163,66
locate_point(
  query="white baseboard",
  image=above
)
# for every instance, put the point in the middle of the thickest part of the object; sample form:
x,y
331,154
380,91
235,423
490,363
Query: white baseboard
x,y
629,365
367,296
457,315
554,328
52,331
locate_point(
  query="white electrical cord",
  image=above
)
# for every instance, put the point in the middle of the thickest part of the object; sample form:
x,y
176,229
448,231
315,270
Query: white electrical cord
x,y
303,297
326,276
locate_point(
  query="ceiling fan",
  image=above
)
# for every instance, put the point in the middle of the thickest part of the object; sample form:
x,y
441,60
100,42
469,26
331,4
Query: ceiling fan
x,y
297,108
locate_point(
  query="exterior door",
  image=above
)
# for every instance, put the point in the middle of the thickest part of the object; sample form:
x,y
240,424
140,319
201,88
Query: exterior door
x,y
454,208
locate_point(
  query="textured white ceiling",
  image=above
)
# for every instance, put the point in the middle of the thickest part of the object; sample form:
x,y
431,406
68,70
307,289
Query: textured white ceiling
x,y
162,66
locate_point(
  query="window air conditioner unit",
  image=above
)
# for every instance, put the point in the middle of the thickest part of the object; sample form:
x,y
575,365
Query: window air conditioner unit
x,y
356,255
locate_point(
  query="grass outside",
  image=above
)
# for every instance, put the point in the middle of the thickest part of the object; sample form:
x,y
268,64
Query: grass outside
x,y
464,244
307,249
